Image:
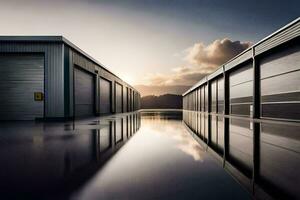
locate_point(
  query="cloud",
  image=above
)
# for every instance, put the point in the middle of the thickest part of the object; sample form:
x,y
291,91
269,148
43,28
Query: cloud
x,y
201,60
215,53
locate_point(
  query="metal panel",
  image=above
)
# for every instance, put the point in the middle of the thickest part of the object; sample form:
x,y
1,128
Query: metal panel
x,y
241,90
280,84
119,97
130,100
287,33
84,93
21,75
125,99
239,59
54,72
105,96
283,61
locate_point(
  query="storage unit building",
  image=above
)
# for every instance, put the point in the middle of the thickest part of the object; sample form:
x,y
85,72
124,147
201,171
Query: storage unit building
x,y
249,113
45,77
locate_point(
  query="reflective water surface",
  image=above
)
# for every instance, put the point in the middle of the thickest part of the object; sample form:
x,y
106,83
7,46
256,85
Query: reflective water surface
x,y
148,155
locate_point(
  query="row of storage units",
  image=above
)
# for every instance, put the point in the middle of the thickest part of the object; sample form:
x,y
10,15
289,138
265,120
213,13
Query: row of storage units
x,y
49,77
248,113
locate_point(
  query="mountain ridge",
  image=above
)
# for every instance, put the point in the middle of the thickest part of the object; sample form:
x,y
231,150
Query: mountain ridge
x,y
165,101
157,90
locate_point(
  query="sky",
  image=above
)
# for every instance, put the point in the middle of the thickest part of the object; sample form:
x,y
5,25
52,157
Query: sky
x,y
160,46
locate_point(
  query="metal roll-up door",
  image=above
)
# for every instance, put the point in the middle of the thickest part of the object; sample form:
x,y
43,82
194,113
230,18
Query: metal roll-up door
x,y
84,93
119,97
21,86
128,100
105,96
132,100
125,100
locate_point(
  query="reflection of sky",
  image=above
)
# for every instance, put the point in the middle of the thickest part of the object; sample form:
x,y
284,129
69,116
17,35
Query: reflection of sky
x,y
174,130
161,161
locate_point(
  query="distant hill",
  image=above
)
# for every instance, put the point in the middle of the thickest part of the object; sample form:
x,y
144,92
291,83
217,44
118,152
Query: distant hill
x,y
160,90
171,101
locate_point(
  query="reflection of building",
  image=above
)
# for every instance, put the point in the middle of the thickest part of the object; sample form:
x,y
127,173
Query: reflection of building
x,y
248,111
49,77
49,159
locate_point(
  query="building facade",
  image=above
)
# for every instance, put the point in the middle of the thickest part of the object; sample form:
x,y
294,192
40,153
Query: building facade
x,y
48,77
247,113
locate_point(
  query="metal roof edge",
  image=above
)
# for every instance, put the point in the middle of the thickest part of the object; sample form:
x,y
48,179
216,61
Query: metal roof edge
x,y
37,38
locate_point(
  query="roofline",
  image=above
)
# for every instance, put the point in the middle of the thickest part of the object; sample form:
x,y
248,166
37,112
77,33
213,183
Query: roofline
x,y
57,38
251,47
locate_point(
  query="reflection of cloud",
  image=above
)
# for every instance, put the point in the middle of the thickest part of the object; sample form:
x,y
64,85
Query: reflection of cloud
x,y
190,149
188,144
201,60
184,141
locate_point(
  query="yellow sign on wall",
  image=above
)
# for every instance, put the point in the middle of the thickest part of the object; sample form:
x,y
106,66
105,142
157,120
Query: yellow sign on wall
x,y
38,96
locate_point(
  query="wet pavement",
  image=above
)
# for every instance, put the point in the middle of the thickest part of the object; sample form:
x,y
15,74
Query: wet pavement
x,y
148,155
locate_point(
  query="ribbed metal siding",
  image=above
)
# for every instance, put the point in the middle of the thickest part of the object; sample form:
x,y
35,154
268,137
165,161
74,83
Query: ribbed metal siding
x,y
20,77
54,72
280,38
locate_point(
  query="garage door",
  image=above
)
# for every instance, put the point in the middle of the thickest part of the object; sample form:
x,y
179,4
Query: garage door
x,y
105,96
84,93
20,77
125,99
119,97
129,100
